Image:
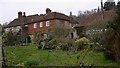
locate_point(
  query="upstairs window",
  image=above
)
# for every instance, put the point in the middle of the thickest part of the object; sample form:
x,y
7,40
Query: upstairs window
x,y
47,23
35,25
41,24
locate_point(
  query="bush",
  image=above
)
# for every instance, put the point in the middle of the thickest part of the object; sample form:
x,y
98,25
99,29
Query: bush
x,y
81,43
52,44
27,39
109,52
95,46
58,43
65,47
12,39
68,45
9,38
32,62
109,55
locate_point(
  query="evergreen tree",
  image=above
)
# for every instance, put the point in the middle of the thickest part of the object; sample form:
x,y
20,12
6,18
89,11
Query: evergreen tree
x,y
118,9
108,5
113,36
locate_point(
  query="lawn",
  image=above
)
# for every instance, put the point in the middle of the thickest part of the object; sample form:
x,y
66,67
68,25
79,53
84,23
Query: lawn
x,y
30,55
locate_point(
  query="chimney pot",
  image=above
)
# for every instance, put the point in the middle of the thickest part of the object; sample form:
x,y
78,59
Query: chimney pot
x,y
70,13
19,14
48,10
24,14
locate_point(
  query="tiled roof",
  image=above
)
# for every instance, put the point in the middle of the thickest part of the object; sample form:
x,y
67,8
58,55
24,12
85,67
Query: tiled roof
x,y
42,17
18,21
108,15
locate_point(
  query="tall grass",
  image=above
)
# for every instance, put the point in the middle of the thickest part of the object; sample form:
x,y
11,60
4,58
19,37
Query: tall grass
x,y
30,55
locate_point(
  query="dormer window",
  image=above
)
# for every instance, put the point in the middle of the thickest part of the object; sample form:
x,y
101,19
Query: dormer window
x,y
35,25
47,23
41,24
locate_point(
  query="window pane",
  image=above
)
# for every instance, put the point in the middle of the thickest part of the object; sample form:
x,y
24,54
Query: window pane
x,y
35,25
47,23
41,24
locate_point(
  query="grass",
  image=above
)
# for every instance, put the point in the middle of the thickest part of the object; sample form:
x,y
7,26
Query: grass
x,y
30,55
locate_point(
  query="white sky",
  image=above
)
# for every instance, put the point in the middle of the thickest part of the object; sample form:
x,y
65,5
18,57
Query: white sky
x,y
10,8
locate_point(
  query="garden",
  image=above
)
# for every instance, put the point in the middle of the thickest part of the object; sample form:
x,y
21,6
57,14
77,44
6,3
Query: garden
x,y
81,52
97,45
31,56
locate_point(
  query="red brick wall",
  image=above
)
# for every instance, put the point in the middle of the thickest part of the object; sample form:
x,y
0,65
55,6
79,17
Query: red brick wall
x,y
31,28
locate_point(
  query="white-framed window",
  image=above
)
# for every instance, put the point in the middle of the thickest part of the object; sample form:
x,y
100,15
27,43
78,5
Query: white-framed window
x,y
26,25
47,23
18,28
7,29
41,24
35,25
12,28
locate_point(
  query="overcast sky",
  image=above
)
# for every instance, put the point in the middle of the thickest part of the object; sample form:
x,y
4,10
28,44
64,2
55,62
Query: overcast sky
x,y
10,8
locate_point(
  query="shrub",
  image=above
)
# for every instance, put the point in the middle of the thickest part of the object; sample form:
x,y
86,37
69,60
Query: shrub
x,y
64,46
52,44
95,46
12,39
27,39
67,46
59,43
32,62
81,43
9,38
109,54
98,47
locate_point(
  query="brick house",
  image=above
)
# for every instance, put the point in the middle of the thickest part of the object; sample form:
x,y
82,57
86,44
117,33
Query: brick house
x,y
30,24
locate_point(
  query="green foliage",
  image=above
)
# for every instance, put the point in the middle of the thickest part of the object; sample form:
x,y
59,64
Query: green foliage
x,y
67,45
60,43
118,9
83,40
81,43
32,62
52,44
113,38
84,43
97,47
30,55
109,54
95,31
26,39
9,39
109,5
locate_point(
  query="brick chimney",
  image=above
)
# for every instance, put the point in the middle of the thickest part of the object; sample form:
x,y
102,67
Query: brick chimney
x,y
24,14
48,10
70,14
19,14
